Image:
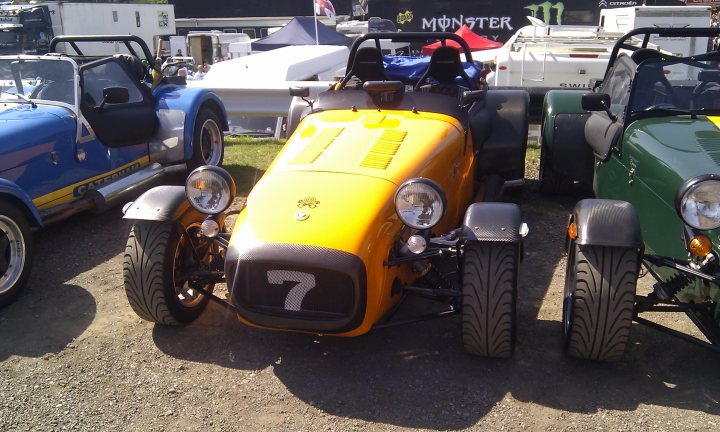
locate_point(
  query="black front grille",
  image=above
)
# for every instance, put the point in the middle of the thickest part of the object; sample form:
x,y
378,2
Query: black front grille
x,y
298,287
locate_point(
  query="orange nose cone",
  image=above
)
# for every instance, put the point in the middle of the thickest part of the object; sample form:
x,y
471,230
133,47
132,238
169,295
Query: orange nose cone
x,y
572,231
700,246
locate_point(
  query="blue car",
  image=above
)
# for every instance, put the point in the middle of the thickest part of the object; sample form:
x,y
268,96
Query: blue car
x,y
79,133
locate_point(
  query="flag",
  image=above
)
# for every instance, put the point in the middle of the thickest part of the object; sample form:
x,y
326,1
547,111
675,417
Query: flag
x,y
325,8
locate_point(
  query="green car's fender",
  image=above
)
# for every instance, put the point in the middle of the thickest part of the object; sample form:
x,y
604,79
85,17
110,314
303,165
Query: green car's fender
x,y
562,137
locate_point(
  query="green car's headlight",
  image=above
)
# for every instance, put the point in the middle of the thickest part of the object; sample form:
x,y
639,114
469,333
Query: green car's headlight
x,y
420,203
210,189
698,202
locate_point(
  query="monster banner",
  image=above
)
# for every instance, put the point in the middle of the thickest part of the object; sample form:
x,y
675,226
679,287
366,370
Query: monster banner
x,y
492,19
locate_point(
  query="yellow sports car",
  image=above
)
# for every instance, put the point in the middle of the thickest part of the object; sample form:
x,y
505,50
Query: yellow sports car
x,y
387,188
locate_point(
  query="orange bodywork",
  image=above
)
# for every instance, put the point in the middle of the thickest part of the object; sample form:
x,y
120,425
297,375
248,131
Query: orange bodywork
x,y
333,186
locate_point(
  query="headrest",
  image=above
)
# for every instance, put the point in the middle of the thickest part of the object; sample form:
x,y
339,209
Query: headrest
x,y
368,65
445,64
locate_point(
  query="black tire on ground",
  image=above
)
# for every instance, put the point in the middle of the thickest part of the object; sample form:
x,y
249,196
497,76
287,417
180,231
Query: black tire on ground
x,y
156,254
490,272
208,140
551,181
599,300
16,251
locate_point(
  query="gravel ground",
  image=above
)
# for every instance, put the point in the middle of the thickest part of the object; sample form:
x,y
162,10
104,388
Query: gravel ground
x,y
75,357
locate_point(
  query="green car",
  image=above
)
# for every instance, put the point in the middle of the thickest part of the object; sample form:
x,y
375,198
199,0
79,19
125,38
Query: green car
x,y
647,138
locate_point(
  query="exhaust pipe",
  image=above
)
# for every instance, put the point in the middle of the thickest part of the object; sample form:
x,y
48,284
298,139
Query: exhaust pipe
x,y
107,196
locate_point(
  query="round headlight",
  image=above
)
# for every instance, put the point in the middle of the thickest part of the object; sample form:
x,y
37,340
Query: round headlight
x,y
210,189
698,202
420,203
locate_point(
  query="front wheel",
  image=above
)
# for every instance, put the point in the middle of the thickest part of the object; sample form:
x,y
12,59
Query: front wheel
x,y
158,267
490,277
599,300
16,252
208,140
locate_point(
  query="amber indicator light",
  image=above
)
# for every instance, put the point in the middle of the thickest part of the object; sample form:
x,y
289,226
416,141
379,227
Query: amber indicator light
x,y
572,231
700,246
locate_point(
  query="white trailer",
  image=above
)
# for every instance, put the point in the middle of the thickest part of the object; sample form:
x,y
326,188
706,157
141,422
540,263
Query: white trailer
x,y
148,21
628,18
34,24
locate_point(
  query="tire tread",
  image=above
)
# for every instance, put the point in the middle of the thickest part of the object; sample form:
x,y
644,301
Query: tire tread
x,y
603,302
489,291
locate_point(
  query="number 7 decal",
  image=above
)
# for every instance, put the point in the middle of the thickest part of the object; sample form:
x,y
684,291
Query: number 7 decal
x,y
305,282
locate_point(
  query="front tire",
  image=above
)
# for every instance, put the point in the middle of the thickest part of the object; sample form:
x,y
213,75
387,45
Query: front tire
x,y
208,140
157,255
599,301
490,276
16,252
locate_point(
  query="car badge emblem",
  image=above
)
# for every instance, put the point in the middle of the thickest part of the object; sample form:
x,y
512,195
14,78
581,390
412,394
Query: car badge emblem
x,y
309,202
302,215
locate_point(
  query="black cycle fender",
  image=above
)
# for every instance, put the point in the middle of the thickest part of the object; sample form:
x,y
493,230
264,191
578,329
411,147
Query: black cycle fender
x,y
161,203
603,222
495,222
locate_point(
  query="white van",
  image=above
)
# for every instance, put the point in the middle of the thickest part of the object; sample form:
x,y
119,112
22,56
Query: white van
x,y
542,55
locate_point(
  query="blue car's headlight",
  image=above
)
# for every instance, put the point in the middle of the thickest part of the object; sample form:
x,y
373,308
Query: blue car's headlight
x,y
698,202
420,203
210,189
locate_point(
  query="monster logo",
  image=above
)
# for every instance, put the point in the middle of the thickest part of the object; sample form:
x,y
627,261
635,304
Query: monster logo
x,y
546,10
405,17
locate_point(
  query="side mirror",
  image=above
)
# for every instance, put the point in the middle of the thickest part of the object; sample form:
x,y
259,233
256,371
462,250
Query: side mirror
x,y
597,102
114,95
301,92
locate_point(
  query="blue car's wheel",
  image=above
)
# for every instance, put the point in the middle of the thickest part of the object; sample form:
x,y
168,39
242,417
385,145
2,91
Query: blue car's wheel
x,y
208,140
16,251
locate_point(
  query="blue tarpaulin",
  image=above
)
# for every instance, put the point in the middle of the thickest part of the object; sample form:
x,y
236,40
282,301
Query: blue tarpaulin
x,y
409,69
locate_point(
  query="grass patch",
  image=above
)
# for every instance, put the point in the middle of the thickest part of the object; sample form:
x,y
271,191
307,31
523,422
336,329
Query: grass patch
x,y
532,155
246,159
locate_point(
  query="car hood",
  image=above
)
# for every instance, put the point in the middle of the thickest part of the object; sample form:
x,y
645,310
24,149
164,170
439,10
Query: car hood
x,y
334,182
685,146
24,128
391,145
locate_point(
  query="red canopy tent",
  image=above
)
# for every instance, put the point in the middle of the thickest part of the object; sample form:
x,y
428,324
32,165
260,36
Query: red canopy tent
x,y
475,41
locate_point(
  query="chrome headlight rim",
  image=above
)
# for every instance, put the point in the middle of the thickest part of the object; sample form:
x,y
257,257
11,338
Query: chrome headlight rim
x,y
434,186
228,188
690,185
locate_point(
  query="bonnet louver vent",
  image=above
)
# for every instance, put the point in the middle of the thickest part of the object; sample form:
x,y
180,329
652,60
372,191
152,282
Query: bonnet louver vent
x,y
317,146
382,152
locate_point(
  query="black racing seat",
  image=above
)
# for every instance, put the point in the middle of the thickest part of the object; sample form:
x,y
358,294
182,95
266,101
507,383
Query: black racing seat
x,y
653,88
707,93
367,66
445,66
